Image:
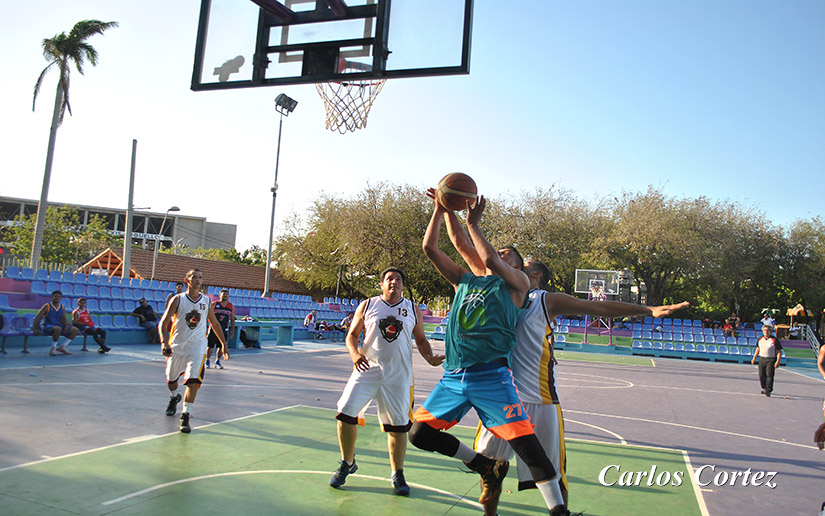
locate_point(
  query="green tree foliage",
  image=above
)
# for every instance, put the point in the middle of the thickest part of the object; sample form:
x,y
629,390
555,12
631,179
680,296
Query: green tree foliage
x,y
66,240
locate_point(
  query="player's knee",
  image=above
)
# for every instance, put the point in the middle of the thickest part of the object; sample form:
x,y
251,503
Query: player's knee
x,y
422,436
529,450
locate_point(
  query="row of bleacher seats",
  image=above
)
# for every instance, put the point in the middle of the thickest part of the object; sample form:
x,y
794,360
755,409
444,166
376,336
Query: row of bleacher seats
x,y
749,339
710,351
668,325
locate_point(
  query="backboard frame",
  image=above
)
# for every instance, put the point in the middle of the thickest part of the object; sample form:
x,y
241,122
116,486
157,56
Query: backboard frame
x,y
274,15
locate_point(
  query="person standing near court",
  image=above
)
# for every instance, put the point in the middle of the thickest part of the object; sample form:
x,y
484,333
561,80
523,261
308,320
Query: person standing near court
x,y
769,353
186,352
55,324
382,371
479,342
225,313
819,434
178,289
82,320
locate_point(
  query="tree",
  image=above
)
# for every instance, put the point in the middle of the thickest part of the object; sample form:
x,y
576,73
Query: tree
x,y
62,51
66,240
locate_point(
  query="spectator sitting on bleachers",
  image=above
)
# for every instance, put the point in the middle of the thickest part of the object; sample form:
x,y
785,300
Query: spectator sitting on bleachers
x,y
731,325
345,322
82,320
148,319
312,323
767,320
55,324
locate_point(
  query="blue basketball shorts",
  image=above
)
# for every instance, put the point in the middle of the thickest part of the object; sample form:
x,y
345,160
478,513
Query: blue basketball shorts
x,y
489,389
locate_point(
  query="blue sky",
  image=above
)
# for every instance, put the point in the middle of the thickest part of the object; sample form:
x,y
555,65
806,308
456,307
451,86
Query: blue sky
x,y
718,98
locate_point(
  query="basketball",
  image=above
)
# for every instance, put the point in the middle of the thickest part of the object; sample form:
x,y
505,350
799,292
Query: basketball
x,y
455,191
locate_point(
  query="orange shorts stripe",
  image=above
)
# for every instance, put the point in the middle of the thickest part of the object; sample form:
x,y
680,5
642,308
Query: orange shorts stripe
x,y
512,430
423,415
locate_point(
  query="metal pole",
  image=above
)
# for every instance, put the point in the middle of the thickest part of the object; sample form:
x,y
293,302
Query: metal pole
x,y
157,243
338,283
272,218
127,235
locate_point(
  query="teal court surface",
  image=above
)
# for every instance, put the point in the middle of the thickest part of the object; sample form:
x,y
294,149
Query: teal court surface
x,y
86,434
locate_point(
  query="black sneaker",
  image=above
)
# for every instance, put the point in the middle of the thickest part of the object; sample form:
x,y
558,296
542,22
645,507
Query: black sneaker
x,y
492,475
339,478
768,393
561,510
172,407
184,423
399,484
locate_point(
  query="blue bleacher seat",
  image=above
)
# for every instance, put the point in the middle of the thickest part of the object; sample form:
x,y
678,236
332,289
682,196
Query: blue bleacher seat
x,y
575,323
106,322
733,350
667,336
13,273
561,339
707,331
647,335
697,322
38,287
637,326
720,339
647,344
668,346
41,274
678,337
677,322
67,304
117,306
51,286
690,347
679,346
730,340
92,305
119,322
104,292
667,322
711,348
91,291
637,344
722,349
154,284
742,341
69,277
164,285
658,345
718,331
132,323
106,305
79,290
750,333
700,348
637,335
689,337
648,320
4,304
27,274
116,292
55,276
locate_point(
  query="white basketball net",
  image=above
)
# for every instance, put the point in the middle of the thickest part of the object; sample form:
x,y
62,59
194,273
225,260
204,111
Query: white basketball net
x,y
348,103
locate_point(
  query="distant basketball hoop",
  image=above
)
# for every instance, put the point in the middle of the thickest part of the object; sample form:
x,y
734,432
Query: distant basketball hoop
x,y
598,285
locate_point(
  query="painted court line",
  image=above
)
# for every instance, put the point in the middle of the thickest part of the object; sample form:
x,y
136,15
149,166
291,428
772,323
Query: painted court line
x,y
125,442
605,430
279,471
692,427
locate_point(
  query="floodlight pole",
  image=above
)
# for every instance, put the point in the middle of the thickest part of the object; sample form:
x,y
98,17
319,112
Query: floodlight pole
x,y
157,242
284,106
125,271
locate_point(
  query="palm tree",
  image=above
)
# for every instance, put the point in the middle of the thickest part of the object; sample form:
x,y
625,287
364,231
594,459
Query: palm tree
x,y
62,50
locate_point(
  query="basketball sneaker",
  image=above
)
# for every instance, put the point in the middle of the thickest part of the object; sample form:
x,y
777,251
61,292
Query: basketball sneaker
x,y
172,407
218,364
339,478
399,484
207,363
184,423
492,473
561,510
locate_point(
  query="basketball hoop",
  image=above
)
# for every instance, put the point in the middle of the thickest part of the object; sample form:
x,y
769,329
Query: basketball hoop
x,y
348,103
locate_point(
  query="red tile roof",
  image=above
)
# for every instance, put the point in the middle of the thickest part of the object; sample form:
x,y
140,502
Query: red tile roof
x,y
173,268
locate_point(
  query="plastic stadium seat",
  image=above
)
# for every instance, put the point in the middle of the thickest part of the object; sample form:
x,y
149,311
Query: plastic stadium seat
x,y
667,336
648,320
700,348
712,348
679,346
4,304
106,305
560,338
718,331
750,333
690,347
707,331
117,306
119,322
79,290
733,350
51,286
27,273
41,274
106,322
668,346
719,339
647,335
132,323
722,350
647,344
658,345
689,337
677,322
637,344
742,341
92,279
55,276
678,337
637,335
92,305
637,326
13,273
38,287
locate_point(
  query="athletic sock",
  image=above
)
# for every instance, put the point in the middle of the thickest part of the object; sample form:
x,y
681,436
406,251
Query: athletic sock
x,y
551,492
187,406
465,453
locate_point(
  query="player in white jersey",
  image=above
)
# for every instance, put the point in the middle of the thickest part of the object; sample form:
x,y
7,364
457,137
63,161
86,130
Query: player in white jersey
x,y
533,366
382,372
188,313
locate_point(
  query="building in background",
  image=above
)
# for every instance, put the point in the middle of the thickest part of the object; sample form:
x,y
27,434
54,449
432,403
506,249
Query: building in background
x,y
179,230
